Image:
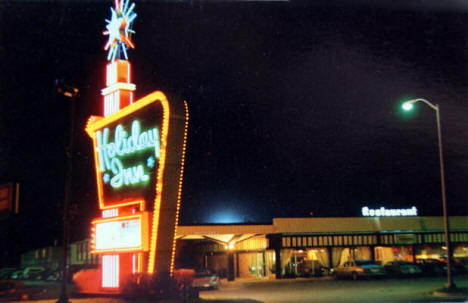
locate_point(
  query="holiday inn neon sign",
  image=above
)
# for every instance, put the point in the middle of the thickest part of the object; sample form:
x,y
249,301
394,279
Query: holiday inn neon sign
x,y
110,154
130,152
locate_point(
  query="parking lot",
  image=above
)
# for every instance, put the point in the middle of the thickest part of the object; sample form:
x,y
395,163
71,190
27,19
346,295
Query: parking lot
x,y
324,289
329,290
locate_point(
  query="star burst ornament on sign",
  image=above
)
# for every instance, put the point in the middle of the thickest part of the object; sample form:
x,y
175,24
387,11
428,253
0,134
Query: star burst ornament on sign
x,y
119,30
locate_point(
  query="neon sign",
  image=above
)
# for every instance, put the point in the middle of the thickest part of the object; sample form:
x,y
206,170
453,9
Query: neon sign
x,y
119,29
128,149
384,212
161,195
139,150
110,153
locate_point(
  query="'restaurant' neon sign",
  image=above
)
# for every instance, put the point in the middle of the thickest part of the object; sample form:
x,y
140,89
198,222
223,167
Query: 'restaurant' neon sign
x,y
385,212
110,154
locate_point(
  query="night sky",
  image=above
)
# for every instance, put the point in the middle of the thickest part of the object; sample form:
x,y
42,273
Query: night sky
x,y
294,107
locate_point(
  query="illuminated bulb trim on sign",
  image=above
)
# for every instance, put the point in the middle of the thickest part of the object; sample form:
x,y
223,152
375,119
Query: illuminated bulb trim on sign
x,y
384,212
179,191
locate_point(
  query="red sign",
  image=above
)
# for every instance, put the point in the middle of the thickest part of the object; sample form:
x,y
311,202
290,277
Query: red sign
x,y
6,198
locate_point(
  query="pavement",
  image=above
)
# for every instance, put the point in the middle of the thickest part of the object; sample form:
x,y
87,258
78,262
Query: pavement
x,y
324,289
424,289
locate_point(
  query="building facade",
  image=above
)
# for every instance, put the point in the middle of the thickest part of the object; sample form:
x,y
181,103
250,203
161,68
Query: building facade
x,y
50,258
291,247
47,257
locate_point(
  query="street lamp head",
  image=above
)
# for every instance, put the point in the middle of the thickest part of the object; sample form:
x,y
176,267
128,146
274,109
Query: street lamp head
x,y
407,106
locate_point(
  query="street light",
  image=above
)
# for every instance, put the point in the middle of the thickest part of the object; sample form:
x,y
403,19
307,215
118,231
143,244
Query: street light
x,y
408,105
72,93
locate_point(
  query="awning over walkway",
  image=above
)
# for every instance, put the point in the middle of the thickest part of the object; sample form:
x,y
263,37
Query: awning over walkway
x,y
322,232
229,235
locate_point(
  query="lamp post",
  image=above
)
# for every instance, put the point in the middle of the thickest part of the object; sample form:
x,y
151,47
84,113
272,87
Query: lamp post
x,y
72,93
408,105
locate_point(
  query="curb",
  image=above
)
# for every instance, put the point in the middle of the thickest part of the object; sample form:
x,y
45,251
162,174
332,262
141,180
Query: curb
x,y
458,293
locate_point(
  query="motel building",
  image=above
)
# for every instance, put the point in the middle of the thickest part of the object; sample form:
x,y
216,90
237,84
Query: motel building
x,y
288,247
304,247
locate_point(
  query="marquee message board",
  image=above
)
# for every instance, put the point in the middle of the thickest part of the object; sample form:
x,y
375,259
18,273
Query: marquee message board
x,y
129,233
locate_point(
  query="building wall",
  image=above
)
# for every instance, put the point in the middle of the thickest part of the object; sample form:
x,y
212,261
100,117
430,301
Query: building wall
x,y
51,257
47,257
254,243
79,254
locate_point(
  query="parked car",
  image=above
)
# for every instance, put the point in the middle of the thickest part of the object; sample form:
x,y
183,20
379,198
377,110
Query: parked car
x,y
432,266
312,268
5,273
457,265
463,262
402,268
51,275
206,280
33,272
16,275
17,290
359,269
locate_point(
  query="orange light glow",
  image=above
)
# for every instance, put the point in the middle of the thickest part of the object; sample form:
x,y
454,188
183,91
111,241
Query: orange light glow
x,y
119,90
139,263
118,71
